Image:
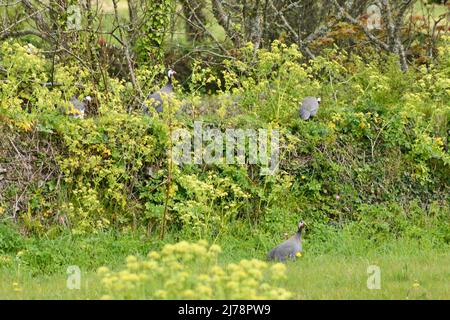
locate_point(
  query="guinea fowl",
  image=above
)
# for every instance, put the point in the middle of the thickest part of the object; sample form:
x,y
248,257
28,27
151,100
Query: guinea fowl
x,y
78,108
290,248
156,99
309,107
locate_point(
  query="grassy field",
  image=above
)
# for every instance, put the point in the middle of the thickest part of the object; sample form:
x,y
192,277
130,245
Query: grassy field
x,y
408,271
402,277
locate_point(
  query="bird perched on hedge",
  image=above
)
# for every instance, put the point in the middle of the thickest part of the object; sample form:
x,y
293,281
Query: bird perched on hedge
x,y
156,99
289,249
78,108
309,107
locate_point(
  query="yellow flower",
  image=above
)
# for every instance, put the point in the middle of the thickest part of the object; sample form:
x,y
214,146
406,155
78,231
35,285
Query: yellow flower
x,y
203,278
189,294
416,285
131,259
298,254
153,255
130,277
232,285
102,270
215,248
217,271
133,265
143,277
5,259
278,269
204,291
149,265
161,294
202,242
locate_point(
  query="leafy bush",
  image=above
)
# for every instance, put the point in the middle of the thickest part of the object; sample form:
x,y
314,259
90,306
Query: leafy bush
x,y
10,239
378,145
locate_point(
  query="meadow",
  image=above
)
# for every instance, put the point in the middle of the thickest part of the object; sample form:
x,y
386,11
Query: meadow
x,y
409,269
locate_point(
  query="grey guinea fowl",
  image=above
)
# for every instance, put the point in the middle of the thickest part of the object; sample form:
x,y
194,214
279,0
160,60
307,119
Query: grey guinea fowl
x,y
156,99
79,107
289,248
309,107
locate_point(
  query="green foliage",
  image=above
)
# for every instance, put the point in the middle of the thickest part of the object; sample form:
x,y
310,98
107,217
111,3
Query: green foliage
x,y
152,45
377,148
10,240
46,256
102,159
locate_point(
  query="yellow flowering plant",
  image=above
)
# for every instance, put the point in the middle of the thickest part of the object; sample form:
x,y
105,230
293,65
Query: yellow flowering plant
x,y
191,271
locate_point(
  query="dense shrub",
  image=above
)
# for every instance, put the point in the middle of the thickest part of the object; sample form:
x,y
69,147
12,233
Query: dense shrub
x,y
377,154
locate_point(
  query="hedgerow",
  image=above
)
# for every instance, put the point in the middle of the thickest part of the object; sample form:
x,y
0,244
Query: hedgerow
x,y
377,154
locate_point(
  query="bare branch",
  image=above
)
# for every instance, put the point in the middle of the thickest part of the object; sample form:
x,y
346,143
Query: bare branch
x,y
225,22
296,36
354,21
21,33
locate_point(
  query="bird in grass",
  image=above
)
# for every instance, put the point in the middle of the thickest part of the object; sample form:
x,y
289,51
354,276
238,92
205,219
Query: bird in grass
x,y
156,99
289,249
309,107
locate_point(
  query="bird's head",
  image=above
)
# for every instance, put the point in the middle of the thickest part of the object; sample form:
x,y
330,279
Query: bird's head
x,y
319,100
171,73
301,225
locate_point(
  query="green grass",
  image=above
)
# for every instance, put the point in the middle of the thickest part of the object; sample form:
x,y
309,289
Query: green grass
x,y
319,277
320,274
340,277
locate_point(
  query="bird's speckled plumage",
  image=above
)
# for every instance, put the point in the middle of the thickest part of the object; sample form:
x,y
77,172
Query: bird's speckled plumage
x,y
156,99
79,107
289,248
309,107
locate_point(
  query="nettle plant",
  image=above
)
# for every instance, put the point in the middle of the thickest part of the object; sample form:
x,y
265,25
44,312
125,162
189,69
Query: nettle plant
x,y
191,271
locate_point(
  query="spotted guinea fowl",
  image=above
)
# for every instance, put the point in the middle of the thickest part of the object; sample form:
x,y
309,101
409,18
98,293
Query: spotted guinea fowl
x,y
290,248
156,99
78,108
309,107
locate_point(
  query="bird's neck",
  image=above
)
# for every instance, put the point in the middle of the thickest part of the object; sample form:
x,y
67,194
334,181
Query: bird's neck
x,y
298,235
